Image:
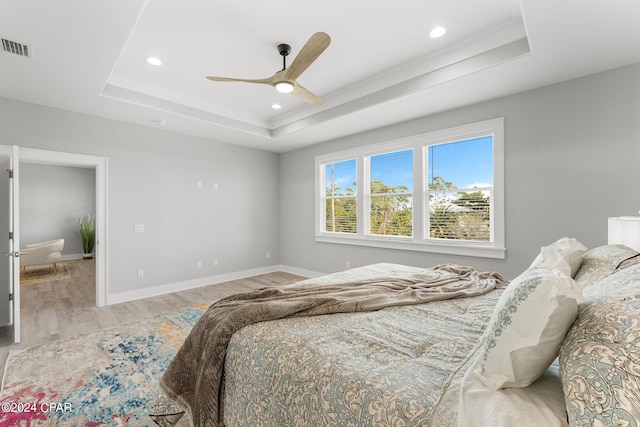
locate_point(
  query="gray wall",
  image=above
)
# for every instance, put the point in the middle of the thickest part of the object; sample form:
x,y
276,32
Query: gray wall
x,y
152,181
572,159
572,153
51,199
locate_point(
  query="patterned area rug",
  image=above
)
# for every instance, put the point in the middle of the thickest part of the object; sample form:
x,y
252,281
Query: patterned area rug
x,y
106,378
44,274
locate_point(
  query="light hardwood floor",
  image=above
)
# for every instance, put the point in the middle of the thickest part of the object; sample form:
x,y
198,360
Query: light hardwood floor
x,y
65,308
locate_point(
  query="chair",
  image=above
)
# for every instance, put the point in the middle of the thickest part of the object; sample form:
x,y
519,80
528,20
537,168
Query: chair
x,y
42,253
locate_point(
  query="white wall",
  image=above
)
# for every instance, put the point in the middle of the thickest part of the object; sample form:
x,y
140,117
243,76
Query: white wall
x,y
152,181
572,159
51,199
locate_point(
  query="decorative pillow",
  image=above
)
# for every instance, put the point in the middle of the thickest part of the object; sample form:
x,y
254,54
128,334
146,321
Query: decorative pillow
x,y
540,404
629,262
603,261
570,249
529,323
613,287
600,357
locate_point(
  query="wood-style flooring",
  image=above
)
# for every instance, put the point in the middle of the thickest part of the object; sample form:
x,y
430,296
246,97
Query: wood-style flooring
x,y
66,308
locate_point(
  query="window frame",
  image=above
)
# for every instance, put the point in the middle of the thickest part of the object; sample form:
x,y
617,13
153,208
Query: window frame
x,y
321,198
420,240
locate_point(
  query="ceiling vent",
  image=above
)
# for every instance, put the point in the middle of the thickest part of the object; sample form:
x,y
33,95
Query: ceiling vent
x,y
15,48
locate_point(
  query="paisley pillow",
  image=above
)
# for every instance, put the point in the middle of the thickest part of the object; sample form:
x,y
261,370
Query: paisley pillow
x,y
528,324
603,261
600,357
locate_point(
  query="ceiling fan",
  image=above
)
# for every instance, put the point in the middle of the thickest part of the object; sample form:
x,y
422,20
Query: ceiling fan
x,y
285,80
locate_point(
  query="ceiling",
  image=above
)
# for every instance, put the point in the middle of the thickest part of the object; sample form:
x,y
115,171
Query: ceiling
x,y
381,67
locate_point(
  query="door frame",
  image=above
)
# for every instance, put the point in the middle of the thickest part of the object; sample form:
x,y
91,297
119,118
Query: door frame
x,y
12,154
100,164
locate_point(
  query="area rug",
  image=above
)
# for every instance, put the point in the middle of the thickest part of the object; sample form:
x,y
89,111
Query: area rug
x,y
44,274
106,378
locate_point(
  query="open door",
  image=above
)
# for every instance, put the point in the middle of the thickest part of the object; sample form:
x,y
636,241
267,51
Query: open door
x,y
10,261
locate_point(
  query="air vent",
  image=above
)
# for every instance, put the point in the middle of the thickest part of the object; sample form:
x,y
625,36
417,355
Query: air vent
x,y
15,48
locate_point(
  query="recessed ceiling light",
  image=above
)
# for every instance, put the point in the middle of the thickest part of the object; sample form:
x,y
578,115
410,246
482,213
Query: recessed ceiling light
x,y
437,32
154,61
276,106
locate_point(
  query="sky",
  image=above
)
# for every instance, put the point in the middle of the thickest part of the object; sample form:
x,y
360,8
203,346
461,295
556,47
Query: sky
x,y
465,164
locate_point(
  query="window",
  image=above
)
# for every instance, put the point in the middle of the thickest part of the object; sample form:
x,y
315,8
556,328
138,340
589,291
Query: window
x,y
439,192
459,189
390,194
340,196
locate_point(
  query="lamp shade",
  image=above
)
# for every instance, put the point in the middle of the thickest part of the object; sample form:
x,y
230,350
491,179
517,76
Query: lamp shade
x,y
625,230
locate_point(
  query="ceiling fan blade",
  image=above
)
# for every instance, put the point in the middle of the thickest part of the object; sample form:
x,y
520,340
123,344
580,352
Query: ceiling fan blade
x,y
306,95
316,44
230,79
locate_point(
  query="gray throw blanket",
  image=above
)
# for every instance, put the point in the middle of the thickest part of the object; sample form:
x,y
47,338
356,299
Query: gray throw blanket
x,y
194,379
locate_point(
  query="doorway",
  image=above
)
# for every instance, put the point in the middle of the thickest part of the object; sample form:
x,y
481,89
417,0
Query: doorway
x,y
99,165
53,200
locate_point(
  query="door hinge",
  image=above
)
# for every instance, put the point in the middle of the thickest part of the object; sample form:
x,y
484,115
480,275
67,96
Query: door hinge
x,y
11,235
10,173
10,297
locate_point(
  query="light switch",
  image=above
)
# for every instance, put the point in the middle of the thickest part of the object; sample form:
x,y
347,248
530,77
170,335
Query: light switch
x,y
139,228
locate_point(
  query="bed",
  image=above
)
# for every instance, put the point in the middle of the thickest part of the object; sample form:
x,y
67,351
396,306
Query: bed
x,y
355,369
439,363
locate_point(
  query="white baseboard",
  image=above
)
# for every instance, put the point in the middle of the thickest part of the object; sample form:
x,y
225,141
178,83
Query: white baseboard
x,y
187,284
67,257
299,271
168,288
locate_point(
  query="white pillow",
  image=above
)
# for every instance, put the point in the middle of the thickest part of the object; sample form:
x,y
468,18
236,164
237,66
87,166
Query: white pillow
x,y
529,323
540,404
570,249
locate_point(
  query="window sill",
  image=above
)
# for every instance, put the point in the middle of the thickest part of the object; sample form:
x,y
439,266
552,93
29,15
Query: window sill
x,y
407,244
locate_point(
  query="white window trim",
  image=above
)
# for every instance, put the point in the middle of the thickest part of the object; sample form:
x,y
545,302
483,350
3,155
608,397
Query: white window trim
x,y
495,249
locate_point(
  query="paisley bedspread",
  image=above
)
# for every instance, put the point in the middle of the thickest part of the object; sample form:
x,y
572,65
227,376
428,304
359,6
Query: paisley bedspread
x,y
400,366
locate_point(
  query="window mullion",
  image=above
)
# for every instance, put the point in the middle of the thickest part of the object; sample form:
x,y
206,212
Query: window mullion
x,y
419,178
425,220
363,203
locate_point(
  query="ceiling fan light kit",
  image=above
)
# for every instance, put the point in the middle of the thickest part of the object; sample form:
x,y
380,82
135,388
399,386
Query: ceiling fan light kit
x,y
284,87
285,80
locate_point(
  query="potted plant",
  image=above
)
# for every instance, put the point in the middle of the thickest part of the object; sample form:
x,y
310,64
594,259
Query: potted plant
x,y
87,234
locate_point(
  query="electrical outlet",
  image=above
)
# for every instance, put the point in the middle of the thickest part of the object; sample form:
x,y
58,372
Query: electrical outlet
x,y
268,255
215,262
198,184
199,264
215,185
347,265
140,274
